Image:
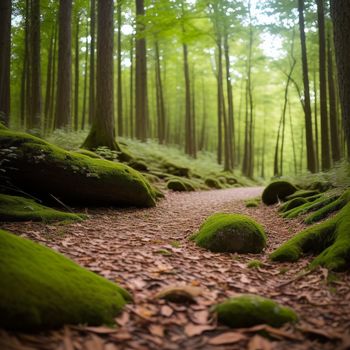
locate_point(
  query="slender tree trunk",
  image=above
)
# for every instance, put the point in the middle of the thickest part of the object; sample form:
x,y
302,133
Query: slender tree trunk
x,y
64,73
76,75
293,141
326,159
141,105
5,59
102,131
333,115
193,117
35,106
132,107
308,115
83,114
53,83
219,98
92,80
119,68
202,140
317,151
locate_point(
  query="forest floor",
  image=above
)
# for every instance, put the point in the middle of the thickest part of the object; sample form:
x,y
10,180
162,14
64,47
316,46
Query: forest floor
x,y
145,250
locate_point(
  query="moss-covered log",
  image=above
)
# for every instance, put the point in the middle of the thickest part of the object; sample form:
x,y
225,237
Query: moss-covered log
x,y
330,239
40,168
277,190
14,208
41,289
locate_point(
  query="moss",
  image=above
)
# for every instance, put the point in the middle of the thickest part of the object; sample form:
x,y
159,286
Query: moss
x,y
138,165
212,183
292,203
250,310
88,153
330,239
254,264
303,194
231,180
321,186
2,126
276,191
180,185
13,208
40,168
252,203
41,289
175,169
231,233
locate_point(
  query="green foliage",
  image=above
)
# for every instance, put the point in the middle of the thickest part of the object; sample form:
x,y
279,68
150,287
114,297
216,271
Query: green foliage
x,y
13,208
292,203
303,194
41,289
180,185
249,310
277,190
330,239
252,203
230,233
254,264
213,183
41,168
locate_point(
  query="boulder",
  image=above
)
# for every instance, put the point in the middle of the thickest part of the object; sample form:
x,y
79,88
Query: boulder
x,y
41,289
180,185
213,183
276,191
249,310
231,233
44,170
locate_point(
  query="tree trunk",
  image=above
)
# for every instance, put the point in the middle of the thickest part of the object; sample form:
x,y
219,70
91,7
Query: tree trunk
x,y
92,80
307,105
132,123
119,70
141,107
333,115
64,70
5,59
341,25
317,151
76,75
83,114
326,159
102,131
35,105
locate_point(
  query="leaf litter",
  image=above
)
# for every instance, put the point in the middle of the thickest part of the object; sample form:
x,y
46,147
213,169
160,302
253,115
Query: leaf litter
x,y
123,245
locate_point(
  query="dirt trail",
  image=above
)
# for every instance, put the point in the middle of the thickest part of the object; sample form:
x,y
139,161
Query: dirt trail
x,y
145,250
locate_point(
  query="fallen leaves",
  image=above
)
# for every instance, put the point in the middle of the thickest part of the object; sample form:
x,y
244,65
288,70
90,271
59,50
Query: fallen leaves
x,y
179,293
192,329
227,338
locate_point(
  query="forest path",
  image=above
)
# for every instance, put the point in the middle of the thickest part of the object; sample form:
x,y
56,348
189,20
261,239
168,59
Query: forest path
x,y
145,250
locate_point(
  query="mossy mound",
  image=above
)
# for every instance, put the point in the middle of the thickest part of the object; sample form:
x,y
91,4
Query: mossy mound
x,y
175,169
231,180
276,191
249,310
14,208
293,203
231,233
40,168
138,165
303,194
252,203
180,185
330,239
88,153
321,186
41,289
213,183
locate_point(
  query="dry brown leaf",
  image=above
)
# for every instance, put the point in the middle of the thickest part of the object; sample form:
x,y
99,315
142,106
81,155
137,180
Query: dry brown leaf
x,y
67,339
191,329
166,311
110,346
94,343
101,330
259,343
227,338
156,330
123,319
320,333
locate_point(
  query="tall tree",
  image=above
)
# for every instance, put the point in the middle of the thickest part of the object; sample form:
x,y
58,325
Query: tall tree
x,y
340,10
76,72
119,69
5,54
141,104
325,151
307,104
64,74
92,82
102,131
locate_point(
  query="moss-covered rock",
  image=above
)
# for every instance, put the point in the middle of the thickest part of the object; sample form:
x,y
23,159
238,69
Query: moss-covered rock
x,y
292,203
41,289
88,153
252,203
231,180
330,239
138,165
175,169
321,186
180,185
14,208
231,233
213,183
303,194
276,191
249,310
41,169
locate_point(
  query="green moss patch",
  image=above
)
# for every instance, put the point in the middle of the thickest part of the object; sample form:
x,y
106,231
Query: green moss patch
x,y
180,185
14,208
292,203
249,310
213,183
303,194
40,168
88,153
41,289
231,233
252,203
330,239
276,191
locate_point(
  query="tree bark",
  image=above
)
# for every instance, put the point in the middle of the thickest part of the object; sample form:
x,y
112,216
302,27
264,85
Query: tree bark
x,y
76,75
340,10
5,59
102,131
64,70
83,114
307,105
326,159
119,70
92,80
